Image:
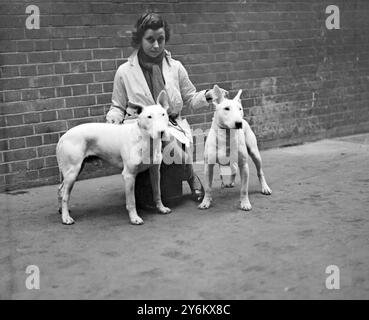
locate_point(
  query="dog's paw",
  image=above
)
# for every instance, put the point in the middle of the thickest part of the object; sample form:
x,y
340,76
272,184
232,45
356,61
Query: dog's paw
x,y
136,220
266,190
67,220
205,204
164,210
245,205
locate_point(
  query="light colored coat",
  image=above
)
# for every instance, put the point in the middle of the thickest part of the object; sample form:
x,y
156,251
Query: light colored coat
x,y
130,86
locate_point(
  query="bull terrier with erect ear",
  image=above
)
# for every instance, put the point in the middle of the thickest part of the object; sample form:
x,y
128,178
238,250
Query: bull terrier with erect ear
x,y
125,146
228,121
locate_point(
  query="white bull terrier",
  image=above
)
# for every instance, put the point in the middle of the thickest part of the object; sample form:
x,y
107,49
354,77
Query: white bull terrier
x,y
126,146
228,121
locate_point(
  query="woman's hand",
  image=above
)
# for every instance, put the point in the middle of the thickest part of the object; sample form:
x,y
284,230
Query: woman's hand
x,y
115,115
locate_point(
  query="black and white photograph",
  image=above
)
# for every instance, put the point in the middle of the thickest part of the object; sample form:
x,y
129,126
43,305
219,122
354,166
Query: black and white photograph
x,y
202,151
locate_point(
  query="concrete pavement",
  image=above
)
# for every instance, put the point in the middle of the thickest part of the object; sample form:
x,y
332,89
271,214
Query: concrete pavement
x,y
317,216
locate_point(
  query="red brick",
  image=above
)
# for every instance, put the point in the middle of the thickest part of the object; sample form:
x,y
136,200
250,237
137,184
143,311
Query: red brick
x,y
31,117
107,53
46,93
14,107
45,69
45,81
49,127
14,120
12,58
58,44
108,87
35,164
10,96
97,110
93,66
7,46
21,154
18,166
4,168
65,114
43,57
48,116
32,177
4,145
104,76
28,70
50,138
91,43
62,68
76,55
43,45
51,162
17,143
13,84
32,94
103,98
19,131
95,88
80,112
80,101
108,65
49,172
78,78
9,71
43,151
64,91
75,43
79,90
78,67
47,104
33,141
25,45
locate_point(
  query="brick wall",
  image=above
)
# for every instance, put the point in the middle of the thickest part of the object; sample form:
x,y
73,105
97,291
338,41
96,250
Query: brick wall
x,y
301,81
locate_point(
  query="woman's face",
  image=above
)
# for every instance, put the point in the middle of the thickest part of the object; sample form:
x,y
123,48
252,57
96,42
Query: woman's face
x,y
153,42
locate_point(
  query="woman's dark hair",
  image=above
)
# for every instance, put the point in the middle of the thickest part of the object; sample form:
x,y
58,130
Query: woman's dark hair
x,y
152,21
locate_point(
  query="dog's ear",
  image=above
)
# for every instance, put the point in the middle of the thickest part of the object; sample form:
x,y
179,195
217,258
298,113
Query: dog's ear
x,y
135,107
218,95
139,109
163,99
238,96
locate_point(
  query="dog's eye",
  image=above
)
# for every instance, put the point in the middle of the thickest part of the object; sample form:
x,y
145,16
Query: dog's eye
x,y
226,108
240,109
149,117
163,114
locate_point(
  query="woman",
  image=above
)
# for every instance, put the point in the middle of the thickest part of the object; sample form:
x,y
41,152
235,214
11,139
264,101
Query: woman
x,y
150,69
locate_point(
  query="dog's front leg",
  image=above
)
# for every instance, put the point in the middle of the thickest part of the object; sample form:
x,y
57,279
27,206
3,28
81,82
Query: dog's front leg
x,y
129,181
244,196
206,202
155,185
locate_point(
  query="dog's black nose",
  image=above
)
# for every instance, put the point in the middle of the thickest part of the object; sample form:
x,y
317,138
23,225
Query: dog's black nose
x,y
238,125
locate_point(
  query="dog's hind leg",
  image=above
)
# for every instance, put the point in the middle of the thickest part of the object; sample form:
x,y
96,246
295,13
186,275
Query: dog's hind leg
x,y
155,185
70,177
60,193
253,150
70,158
129,182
